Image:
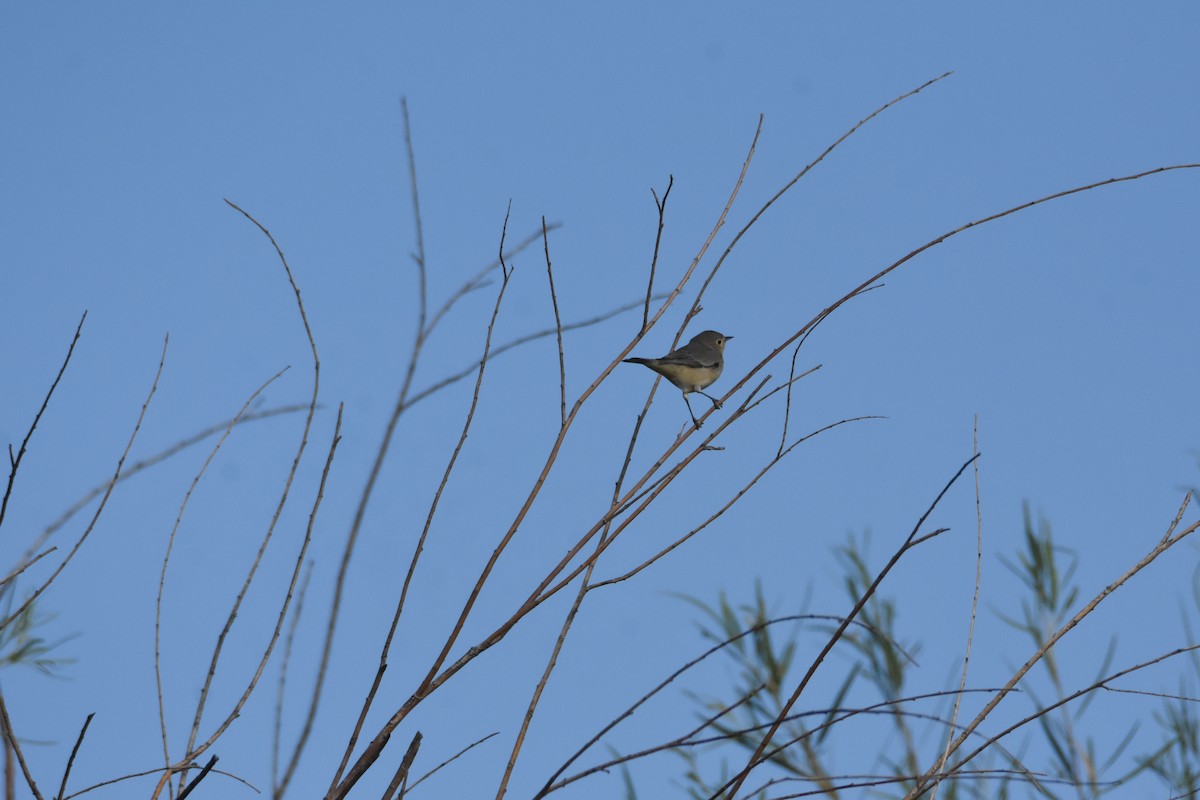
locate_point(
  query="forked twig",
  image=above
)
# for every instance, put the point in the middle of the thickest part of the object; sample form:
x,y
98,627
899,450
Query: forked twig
x,y
14,462
661,205
568,621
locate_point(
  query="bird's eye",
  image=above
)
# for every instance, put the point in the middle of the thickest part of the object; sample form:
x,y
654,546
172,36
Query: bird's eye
x,y
720,341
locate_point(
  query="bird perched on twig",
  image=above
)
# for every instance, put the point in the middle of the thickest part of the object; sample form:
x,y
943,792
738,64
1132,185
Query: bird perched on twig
x,y
693,367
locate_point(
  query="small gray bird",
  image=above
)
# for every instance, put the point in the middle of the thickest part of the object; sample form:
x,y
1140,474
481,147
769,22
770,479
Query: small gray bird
x,y
693,367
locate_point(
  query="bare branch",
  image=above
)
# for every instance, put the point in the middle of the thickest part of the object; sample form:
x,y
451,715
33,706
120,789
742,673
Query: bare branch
x,y
192,749
162,576
695,309
731,788
375,747
923,785
103,501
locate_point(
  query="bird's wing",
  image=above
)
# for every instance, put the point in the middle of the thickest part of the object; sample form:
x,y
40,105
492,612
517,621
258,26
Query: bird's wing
x,y
684,359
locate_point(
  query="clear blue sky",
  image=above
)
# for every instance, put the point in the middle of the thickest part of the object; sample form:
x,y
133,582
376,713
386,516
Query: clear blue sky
x,y
1069,329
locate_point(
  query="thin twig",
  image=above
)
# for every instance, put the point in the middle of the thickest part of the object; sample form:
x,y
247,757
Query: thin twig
x,y
576,603
156,770
1100,684
962,682
678,742
26,565
281,617
562,364
284,665
687,275
787,407
564,629
452,758
729,504
14,462
146,463
62,787
520,340
162,575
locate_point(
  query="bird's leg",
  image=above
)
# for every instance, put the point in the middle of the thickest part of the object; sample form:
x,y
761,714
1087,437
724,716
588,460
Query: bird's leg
x,y
695,421
716,403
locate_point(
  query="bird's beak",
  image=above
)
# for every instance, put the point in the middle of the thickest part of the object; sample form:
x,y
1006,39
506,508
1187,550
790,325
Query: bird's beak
x,y
727,338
